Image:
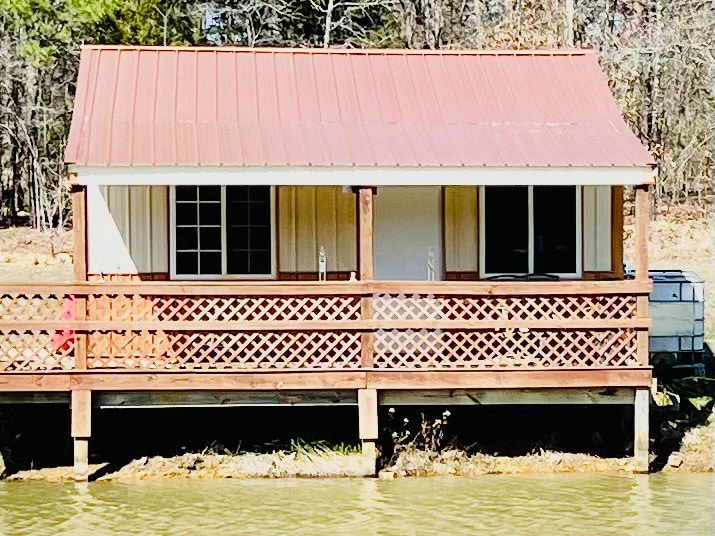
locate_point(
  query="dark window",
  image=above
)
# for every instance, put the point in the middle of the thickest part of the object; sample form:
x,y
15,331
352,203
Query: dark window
x,y
248,234
555,229
223,230
506,222
530,229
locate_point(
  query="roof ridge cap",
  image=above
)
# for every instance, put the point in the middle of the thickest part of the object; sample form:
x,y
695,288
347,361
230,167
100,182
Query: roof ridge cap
x,y
351,51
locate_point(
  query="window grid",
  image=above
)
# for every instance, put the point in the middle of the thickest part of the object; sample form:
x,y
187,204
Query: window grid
x,y
184,197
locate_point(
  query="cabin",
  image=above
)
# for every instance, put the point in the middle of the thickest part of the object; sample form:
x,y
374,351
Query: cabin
x,y
363,227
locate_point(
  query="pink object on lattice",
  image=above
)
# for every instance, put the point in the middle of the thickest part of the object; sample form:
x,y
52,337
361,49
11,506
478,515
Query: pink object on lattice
x,y
64,339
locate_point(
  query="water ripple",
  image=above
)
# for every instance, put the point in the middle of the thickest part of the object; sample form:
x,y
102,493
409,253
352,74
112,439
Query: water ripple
x,y
515,504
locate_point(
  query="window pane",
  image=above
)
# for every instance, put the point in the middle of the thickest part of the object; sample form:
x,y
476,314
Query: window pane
x,y
506,229
186,214
186,238
237,237
210,238
237,213
210,213
555,229
237,262
237,193
210,263
210,193
260,262
249,233
261,237
186,193
187,263
260,213
259,193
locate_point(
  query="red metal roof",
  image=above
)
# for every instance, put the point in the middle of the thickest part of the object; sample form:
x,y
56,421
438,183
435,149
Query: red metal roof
x,y
159,106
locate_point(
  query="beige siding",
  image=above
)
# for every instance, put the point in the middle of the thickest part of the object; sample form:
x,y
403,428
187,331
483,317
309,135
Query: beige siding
x,y
460,229
596,228
127,229
314,216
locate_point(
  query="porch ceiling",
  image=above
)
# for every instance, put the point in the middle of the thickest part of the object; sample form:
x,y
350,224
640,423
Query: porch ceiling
x,y
456,113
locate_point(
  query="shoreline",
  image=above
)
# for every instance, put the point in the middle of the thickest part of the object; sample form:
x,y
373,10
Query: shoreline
x,y
414,464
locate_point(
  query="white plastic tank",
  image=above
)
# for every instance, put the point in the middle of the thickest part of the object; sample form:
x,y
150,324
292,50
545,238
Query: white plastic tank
x,y
677,307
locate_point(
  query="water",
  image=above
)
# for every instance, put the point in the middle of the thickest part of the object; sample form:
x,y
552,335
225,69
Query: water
x,y
518,504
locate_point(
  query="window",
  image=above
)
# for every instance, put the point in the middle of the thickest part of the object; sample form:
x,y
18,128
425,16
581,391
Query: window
x,y
222,231
530,230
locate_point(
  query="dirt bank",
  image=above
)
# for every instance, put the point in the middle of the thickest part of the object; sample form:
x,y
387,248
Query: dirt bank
x,y
457,462
697,450
244,465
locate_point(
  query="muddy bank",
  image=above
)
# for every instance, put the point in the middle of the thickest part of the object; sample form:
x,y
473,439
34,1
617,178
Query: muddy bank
x,y
697,450
333,465
244,465
459,463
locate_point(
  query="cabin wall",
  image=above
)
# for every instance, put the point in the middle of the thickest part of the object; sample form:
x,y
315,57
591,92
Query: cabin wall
x,y
127,230
314,216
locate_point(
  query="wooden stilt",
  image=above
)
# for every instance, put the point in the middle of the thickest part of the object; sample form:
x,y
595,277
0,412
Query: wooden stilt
x,y
641,439
81,459
368,428
81,406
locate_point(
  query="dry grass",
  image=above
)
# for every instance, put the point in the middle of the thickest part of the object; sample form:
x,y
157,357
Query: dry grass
x,y
682,237
418,462
30,255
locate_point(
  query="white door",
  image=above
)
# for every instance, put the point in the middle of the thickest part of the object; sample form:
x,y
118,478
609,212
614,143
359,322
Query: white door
x,y
408,223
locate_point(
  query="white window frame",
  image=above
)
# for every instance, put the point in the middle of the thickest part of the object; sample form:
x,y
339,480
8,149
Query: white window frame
x,y
578,274
224,228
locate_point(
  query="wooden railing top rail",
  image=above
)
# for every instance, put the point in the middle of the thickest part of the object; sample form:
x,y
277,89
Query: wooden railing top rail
x,y
327,288
327,325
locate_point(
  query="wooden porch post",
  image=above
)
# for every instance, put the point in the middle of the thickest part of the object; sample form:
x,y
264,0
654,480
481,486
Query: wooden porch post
x,y
81,401
642,396
368,428
367,273
641,264
79,227
365,237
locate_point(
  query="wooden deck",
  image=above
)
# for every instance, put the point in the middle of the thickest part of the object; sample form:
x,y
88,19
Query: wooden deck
x,y
323,335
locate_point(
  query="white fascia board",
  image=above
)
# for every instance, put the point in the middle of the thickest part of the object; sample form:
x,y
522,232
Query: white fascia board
x,y
362,176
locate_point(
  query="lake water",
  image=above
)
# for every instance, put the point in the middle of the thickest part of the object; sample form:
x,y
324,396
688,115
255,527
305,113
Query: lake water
x,y
517,504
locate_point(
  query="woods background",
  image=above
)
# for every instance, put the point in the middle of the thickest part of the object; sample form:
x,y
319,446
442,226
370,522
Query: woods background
x,y
659,56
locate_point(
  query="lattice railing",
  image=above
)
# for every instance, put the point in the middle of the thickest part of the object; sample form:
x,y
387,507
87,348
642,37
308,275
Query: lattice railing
x,y
508,331
321,326
35,349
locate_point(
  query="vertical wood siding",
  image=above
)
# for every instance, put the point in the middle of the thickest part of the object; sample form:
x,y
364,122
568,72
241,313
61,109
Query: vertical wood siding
x,y
597,228
127,229
314,216
461,236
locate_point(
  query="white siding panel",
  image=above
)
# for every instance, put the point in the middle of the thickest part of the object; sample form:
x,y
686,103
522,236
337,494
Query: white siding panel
x,y
597,228
159,245
107,239
127,229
